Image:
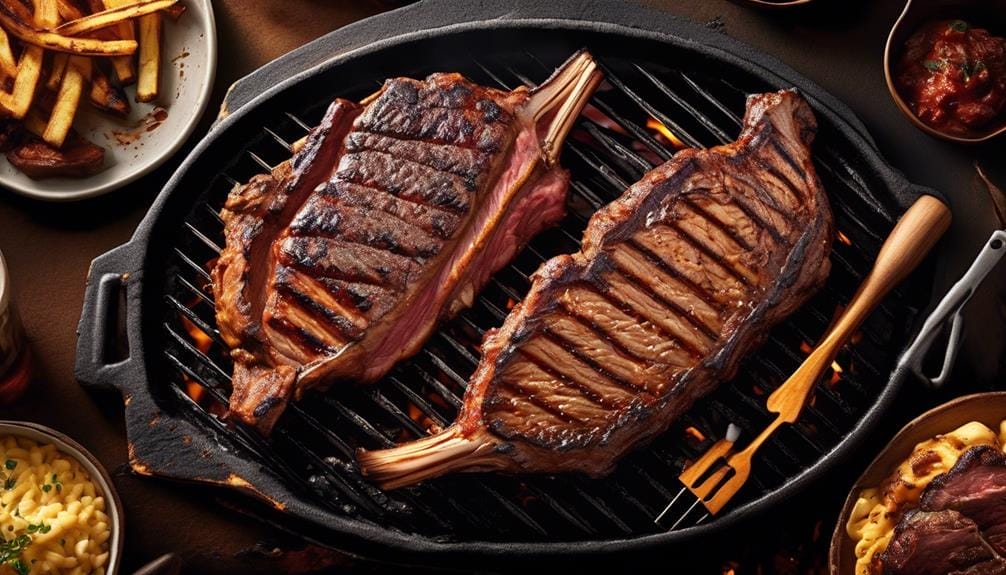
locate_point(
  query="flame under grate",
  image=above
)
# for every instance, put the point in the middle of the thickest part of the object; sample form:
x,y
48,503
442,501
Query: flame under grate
x,y
639,117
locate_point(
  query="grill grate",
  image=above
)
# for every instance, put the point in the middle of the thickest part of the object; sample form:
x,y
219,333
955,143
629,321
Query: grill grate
x,y
312,447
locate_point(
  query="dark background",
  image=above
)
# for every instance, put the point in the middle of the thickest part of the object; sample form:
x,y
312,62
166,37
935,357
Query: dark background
x,y
839,44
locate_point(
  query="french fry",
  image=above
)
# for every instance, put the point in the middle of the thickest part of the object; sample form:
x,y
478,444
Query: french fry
x,y
7,62
56,70
34,122
78,72
148,77
68,10
125,71
30,67
113,16
52,41
105,96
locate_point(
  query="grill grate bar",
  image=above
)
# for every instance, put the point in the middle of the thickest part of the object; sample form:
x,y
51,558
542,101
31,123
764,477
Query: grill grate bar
x,y
193,265
635,129
618,150
190,315
601,162
664,119
297,121
708,124
196,353
708,97
202,237
446,369
281,141
598,166
206,298
439,387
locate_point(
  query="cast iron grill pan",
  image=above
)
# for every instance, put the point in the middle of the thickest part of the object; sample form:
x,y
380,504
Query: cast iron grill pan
x,y
175,376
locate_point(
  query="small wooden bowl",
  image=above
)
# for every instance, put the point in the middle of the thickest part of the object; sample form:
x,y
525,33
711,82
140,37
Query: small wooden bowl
x,y
987,408
988,14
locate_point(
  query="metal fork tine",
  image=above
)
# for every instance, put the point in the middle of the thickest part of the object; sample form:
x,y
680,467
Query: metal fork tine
x,y
660,518
686,513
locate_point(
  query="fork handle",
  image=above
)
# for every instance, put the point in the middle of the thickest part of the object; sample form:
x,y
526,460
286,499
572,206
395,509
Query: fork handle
x,y
909,242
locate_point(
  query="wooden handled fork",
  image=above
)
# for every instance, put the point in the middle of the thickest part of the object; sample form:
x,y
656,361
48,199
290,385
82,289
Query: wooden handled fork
x,y
909,242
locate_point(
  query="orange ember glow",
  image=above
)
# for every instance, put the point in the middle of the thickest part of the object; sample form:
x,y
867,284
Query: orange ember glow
x,y
806,347
662,130
837,370
695,433
510,303
844,238
203,344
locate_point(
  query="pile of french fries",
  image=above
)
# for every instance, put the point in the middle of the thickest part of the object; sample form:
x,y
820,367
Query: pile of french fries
x,y
53,51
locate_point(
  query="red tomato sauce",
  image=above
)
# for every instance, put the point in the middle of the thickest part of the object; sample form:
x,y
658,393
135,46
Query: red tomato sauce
x,y
953,76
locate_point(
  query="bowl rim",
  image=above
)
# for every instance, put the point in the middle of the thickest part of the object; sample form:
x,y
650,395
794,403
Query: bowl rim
x,y
902,105
94,467
86,191
906,436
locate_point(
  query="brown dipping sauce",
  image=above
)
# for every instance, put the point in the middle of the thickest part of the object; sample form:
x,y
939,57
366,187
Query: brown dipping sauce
x,y
954,76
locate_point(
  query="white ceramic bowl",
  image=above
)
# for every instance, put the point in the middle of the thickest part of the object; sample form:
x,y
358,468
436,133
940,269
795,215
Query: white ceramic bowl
x,y
190,59
99,476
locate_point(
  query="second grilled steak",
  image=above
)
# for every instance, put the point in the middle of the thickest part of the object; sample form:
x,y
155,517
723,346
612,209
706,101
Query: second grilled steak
x,y
675,282
393,215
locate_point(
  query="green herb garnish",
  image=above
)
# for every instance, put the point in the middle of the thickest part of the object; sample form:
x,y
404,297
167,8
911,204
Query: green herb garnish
x,y
39,528
10,464
934,65
10,553
47,488
959,26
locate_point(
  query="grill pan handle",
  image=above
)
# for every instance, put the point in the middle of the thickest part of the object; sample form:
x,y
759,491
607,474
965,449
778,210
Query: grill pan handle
x,y
107,335
950,312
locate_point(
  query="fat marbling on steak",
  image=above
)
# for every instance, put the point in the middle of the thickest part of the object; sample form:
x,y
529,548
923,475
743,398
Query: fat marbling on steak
x,y
390,217
675,282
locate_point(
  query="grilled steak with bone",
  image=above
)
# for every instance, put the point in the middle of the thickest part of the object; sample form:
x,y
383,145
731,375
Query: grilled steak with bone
x,y
390,217
675,282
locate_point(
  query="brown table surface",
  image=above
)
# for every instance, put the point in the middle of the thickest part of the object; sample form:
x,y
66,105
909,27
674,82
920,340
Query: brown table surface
x,y
49,246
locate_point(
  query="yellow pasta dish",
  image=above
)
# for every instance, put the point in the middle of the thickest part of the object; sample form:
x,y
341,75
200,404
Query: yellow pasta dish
x,y
52,516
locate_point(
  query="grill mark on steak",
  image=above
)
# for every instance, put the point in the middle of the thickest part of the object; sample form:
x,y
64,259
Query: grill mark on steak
x,y
318,298
620,370
431,219
741,274
693,263
726,229
634,308
750,212
572,312
463,162
665,267
650,227
528,391
584,387
543,351
323,257
406,109
328,218
656,291
406,180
